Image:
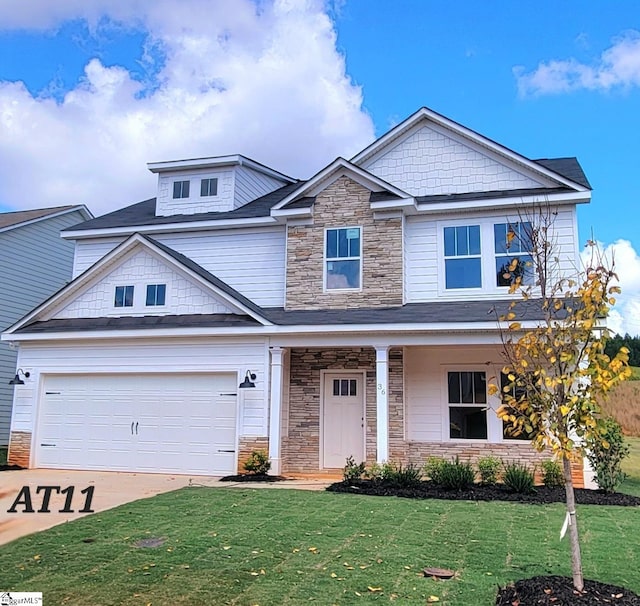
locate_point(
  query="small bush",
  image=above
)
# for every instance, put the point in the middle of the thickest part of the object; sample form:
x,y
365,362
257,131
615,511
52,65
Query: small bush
x,y
488,468
258,463
352,471
454,475
552,476
606,454
433,467
374,472
403,477
518,478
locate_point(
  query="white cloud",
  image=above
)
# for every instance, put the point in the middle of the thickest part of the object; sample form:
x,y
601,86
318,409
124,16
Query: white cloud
x,y
264,80
617,67
625,316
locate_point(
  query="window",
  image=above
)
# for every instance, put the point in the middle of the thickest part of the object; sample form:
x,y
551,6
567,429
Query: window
x,y
124,296
208,187
462,260
509,387
513,243
466,390
342,257
344,387
180,189
156,294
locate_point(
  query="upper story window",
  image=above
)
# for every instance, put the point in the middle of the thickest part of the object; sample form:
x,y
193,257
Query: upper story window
x,y
180,189
156,294
513,248
208,187
123,296
467,398
462,257
343,258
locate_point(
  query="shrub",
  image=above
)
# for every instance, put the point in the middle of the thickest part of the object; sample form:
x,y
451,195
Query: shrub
x,y
258,463
403,477
352,471
488,468
454,475
374,472
518,478
606,454
432,468
552,473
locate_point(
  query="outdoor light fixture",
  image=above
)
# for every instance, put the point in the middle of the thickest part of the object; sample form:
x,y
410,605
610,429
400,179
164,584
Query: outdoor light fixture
x,y
249,379
17,380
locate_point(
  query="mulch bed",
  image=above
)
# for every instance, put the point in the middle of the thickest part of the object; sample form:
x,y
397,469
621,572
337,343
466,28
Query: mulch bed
x,y
10,467
427,490
252,477
559,591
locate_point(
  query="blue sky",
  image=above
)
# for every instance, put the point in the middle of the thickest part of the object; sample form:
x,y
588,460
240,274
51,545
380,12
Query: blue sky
x,y
91,91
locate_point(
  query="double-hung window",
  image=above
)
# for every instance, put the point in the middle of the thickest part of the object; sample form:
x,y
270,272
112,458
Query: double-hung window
x,y
462,257
123,296
343,258
208,187
180,189
467,400
513,253
156,294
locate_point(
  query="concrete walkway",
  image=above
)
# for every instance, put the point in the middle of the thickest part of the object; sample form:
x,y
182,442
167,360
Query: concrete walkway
x,y
110,490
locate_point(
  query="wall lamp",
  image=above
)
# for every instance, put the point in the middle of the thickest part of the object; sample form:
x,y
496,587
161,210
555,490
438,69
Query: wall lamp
x,y
17,380
249,379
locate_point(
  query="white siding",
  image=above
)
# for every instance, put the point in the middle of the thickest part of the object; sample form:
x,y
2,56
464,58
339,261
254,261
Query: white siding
x,y
160,356
425,395
431,160
424,259
142,268
251,184
250,260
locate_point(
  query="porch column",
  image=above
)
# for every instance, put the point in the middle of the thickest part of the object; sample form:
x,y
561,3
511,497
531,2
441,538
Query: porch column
x,y
382,403
275,409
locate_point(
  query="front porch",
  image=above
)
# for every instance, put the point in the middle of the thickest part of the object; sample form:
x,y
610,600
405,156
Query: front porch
x,y
381,403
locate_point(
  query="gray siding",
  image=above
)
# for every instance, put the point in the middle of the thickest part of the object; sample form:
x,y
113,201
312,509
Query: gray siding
x,y
34,263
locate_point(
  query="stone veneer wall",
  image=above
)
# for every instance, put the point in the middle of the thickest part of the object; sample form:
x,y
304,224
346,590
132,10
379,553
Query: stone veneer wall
x,y
301,445
246,445
19,449
344,203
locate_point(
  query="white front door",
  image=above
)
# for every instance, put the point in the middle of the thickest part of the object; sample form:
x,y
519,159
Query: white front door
x,y
343,419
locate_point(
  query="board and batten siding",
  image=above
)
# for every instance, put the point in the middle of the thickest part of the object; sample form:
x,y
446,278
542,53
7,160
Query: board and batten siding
x,y
35,262
250,260
425,394
424,257
158,356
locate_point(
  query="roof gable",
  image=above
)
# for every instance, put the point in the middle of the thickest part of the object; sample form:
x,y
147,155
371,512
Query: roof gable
x,y
19,218
462,158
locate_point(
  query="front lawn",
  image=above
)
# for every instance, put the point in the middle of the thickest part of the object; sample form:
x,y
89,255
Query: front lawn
x,y
631,466
275,546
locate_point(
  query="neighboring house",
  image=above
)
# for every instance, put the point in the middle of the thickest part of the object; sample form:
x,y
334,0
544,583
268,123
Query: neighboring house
x,y
357,304
34,263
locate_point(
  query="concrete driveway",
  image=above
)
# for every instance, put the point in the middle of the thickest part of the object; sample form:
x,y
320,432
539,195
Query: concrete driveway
x,y
110,489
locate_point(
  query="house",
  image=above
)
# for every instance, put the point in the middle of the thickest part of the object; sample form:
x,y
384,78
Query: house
x,y
34,263
346,315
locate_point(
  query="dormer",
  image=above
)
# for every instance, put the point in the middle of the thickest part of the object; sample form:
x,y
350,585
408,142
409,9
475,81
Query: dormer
x,y
218,184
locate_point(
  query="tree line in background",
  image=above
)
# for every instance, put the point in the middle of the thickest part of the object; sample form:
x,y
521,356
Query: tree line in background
x,y
614,344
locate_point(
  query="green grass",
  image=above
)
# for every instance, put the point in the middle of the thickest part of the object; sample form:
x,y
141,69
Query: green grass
x,y
636,373
3,456
631,466
271,547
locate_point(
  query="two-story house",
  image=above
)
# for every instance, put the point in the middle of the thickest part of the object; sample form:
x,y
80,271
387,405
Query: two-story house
x,y
346,315
34,263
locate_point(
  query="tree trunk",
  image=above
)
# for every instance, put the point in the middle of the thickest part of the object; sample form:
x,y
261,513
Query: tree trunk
x,y
574,540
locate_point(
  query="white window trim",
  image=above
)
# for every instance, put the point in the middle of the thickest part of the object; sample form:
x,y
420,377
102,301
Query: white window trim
x,y
139,307
494,424
487,258
166,295
325,260
173,184
217,195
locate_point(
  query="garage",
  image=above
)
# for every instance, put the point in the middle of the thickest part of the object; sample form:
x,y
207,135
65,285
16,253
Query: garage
x,y
174,423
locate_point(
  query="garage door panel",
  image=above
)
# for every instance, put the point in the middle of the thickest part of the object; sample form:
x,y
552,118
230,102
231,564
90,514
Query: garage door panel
x,y
172,423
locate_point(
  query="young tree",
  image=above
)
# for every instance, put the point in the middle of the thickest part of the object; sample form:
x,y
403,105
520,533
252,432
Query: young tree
x,y
556,368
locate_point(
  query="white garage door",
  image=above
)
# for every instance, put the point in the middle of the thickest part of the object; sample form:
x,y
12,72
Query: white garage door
x,y
164,423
